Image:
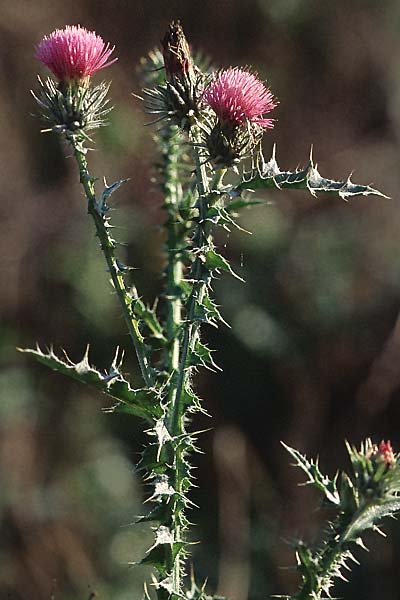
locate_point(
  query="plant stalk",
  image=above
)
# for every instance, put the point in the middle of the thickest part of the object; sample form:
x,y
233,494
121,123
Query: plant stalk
x,y
107,245
174,228
200,275
173,225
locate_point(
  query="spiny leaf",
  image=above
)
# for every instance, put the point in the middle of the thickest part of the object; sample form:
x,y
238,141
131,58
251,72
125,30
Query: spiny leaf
x,y
307,566
349,497
207,311
191,400
140,402
197,592
158,557
149,317
215,261
221,215
152,460
162,489
235,205
368,517
315,478
164,549
161,432
202,355
165,584
159,513
266,175
101,204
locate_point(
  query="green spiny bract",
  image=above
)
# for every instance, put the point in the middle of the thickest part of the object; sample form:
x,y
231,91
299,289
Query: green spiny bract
x,y
229,146
70,108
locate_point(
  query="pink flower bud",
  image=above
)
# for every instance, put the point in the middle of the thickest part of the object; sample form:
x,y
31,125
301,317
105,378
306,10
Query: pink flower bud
x,y
73,53
385,453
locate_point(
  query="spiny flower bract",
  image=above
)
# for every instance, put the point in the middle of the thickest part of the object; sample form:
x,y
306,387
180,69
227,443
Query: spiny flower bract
x,y
238,96
74,53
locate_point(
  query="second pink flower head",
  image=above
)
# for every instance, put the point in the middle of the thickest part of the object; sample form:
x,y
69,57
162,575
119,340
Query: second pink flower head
x,y
74,53
238,96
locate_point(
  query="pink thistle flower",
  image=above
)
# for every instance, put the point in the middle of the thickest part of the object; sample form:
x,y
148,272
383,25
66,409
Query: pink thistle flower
x,y
74,53
238,96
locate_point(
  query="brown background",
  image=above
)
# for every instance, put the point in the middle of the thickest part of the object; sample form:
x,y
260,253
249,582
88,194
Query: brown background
x,y
313,354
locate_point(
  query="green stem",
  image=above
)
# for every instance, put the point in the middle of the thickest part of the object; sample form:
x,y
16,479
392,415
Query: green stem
x,y
200,276
172,201
175,232
179,354
107,245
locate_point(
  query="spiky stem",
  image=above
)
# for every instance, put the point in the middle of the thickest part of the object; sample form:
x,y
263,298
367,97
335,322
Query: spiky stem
x,y
200,276
327,562
175,232
107,245
176,422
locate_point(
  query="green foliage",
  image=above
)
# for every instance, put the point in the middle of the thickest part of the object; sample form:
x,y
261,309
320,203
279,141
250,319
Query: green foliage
x,y
143,402
327,486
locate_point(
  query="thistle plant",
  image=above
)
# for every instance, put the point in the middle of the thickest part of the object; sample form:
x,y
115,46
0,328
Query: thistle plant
x,y
209,130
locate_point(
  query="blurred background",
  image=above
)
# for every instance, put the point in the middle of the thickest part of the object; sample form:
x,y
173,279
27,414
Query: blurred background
x,y
312,357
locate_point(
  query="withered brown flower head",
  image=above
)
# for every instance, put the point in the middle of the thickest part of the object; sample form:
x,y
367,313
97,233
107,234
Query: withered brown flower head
x,y
176,52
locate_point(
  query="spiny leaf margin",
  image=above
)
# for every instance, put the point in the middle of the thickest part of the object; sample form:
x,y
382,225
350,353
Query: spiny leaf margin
x,y
267,175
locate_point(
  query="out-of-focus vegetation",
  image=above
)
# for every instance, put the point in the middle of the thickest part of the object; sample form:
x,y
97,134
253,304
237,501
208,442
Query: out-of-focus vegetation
x,y
313,355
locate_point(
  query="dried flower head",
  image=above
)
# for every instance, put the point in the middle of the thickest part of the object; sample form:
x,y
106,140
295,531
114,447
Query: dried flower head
x,y
238,96
176,52
73,53
176,98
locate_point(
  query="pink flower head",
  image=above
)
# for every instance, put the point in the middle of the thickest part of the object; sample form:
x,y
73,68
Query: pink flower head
x,y
237,96
74,53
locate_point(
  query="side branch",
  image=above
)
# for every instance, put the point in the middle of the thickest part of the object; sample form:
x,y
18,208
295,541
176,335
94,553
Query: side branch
x,y
107,245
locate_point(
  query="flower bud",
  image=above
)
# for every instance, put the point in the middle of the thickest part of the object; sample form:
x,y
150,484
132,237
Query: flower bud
x,y
384,454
